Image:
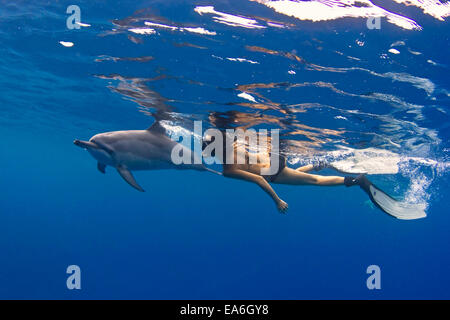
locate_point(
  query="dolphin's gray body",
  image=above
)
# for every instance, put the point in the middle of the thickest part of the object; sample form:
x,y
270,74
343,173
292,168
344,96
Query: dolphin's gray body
x,y
134,150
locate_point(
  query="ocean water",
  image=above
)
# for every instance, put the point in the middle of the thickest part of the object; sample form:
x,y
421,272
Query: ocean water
x,y
365,99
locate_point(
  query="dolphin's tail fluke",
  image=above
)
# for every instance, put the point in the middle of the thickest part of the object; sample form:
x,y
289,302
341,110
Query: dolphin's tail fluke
x,y
398,209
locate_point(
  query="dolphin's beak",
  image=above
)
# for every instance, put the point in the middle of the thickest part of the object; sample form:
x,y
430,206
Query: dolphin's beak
x,y
85,144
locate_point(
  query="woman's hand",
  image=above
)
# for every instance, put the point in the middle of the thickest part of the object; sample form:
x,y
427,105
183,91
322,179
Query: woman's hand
x,y
282,206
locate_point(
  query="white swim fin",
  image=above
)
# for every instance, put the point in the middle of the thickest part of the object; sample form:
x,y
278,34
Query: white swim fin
x,y
398,209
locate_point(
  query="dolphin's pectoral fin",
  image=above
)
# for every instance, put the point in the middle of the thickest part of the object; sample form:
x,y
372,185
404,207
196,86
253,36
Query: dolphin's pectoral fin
x,y
128,177
101,167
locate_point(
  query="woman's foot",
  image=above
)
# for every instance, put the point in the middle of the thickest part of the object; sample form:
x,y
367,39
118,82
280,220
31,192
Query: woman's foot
x,y
355,181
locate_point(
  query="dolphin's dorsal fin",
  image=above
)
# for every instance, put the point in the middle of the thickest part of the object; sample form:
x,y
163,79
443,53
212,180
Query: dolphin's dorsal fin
x,y
128,177
156,127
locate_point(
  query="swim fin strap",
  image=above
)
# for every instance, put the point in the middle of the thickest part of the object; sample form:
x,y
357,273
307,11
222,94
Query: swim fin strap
x,y
213,171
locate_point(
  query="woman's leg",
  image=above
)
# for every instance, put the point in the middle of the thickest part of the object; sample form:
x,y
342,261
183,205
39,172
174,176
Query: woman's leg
x,y
307,168
316,167
291,176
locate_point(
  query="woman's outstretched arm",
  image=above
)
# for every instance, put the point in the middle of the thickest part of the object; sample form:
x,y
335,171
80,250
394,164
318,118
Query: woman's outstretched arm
x,y
260,181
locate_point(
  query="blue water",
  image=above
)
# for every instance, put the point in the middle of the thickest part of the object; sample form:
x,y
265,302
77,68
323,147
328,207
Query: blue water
x,y
193,235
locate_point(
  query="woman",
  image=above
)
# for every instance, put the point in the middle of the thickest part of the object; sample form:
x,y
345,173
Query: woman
x,y
284,175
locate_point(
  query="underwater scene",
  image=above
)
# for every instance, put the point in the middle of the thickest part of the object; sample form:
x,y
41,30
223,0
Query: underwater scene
x,y
356,92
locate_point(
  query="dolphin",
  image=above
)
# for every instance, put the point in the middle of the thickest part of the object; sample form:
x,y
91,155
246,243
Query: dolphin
x,y
134,150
